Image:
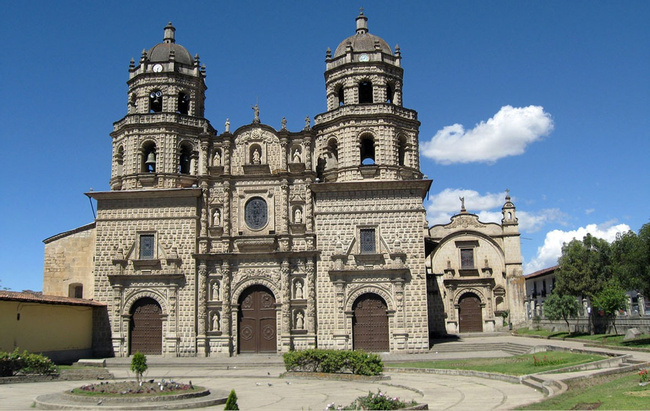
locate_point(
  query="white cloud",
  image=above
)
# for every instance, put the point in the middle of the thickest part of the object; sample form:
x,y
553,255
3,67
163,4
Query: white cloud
x,y
589,211
548,253
506,134
445,204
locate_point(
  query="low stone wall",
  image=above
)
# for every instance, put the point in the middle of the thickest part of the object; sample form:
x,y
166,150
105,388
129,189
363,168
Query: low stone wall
x,y
623,323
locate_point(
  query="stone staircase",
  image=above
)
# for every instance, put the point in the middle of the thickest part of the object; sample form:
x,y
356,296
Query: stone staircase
x,y
509,348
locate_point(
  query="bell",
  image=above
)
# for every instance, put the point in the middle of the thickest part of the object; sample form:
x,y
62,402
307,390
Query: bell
x,y
151,161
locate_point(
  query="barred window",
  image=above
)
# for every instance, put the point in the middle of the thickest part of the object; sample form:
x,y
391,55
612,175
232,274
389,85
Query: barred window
x,y
146,246
367,240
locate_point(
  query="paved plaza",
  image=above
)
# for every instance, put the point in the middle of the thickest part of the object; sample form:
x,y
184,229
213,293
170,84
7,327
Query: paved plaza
x,y
256,380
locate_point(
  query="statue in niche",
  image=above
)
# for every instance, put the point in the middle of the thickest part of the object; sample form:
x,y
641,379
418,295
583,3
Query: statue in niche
x,y
256,156
217,158
300,320
216,217
216,326
215,290
297,216
298,293
296,156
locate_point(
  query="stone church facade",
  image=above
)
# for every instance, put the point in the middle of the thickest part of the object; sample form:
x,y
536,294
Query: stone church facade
x,y
258,240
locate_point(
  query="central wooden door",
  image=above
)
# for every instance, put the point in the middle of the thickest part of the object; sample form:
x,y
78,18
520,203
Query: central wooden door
x,y
469,313
146,327
257,324
370,324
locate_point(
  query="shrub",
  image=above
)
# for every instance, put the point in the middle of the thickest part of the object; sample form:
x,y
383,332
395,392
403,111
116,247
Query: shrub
x,y
334,361
25,362
10,362
37,364
139,364
231,402
379,401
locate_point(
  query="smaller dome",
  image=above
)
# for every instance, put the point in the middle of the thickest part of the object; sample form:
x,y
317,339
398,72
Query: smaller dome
x,y
160,53
362,41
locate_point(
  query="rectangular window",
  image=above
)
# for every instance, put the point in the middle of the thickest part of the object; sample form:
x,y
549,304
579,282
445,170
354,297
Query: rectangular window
x,y
146,246
466,258
367,240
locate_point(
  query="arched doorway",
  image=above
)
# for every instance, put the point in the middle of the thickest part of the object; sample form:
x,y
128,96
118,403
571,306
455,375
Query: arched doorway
x,y
145,328
469,314
257,325
370,324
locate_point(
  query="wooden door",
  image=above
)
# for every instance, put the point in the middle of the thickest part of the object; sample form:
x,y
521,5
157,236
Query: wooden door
x,y
257,322
370,324
469,313
146,327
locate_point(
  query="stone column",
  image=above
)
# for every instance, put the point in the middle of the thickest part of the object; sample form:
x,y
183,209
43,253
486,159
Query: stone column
x,y
311,296
284,199
203,158
202,317
285,287
226,210
308,215
226,157
226,320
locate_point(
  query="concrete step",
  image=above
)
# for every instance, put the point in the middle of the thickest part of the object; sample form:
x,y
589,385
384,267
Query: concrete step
x,y
85,373
509,348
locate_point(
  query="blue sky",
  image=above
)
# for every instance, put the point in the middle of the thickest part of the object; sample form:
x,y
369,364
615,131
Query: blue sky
x,y
550,99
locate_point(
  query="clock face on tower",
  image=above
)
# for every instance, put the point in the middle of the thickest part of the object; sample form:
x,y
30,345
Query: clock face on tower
x,y
157,68
364,57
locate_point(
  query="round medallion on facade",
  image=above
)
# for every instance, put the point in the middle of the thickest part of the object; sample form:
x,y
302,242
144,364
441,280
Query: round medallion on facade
x,y
256,213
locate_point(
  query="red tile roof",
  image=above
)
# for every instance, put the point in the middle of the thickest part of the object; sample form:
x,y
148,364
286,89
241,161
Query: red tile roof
x,y
540,273
38,297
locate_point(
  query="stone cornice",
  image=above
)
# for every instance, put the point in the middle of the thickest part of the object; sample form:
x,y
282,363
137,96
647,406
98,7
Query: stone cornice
x,y
368,185
154,193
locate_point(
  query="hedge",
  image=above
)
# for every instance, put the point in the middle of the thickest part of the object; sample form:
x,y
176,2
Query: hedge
x,y
334,361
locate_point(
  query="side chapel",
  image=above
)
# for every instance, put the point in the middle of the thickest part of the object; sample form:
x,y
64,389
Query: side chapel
x,y
262,240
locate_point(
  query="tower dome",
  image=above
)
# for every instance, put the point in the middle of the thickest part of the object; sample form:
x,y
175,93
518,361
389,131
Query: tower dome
x,y
162,52
362,41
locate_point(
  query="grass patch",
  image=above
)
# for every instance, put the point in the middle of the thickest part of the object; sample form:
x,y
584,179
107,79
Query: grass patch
x,y
609,392
612,340
515,365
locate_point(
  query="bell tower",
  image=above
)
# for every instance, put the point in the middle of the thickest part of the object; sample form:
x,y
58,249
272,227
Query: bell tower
x,y
368,209
156,145
366,133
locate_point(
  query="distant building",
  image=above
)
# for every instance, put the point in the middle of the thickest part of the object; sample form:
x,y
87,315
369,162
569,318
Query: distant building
x,y
260,239
538,287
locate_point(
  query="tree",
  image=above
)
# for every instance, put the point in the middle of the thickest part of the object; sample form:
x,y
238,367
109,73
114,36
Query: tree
x,y
231,402
561,307
139,364
631,259
610,300
583,267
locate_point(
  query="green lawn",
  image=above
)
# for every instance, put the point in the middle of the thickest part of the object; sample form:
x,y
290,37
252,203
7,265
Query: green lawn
x,y
610,392
516,365
615,340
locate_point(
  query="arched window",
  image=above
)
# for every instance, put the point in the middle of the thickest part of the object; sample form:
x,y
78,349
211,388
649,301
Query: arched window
x,y
367,150
183,103
148,157
401,150
155,101
365,92
119,161
340,94
185,159
390,93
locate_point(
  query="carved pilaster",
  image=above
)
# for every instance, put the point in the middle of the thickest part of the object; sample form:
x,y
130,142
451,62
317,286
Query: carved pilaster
x,y
203,158
307,156
203,297
311,296
227,299
309,210
285,282
339,286
226,157
399,298
284,218
227,219
285,154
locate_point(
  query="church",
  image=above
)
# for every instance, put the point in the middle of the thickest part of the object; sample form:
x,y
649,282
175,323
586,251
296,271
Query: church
x,y
264,240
